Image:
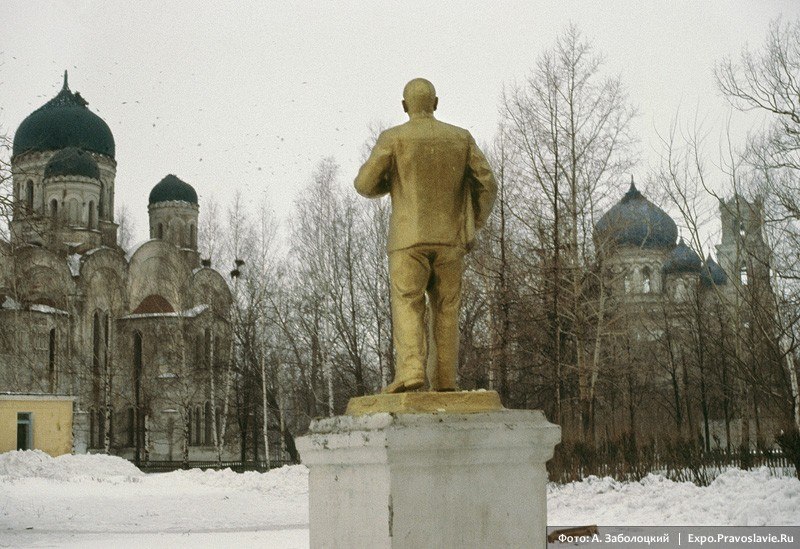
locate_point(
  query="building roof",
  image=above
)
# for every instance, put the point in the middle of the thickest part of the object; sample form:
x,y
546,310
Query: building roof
x,y
62,122
682,259
154,303
713,274
35,396
187,313
72,161
635,221
171,188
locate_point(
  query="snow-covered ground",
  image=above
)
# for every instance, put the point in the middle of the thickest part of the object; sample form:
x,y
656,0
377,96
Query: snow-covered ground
x,y
735,498
103,501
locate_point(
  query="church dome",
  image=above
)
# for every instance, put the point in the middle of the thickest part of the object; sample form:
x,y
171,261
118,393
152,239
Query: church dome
x,y
635,221
62,122
713,274
171,188
72,161
682,259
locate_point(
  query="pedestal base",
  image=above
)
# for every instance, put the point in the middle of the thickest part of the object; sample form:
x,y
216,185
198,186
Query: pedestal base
x,y
459,402
429,480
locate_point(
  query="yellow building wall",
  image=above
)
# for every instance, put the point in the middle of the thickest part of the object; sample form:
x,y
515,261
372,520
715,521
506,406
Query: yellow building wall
x,y
52,424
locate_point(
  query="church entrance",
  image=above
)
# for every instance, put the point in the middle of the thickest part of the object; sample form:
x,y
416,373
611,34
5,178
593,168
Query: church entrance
x,y
24,431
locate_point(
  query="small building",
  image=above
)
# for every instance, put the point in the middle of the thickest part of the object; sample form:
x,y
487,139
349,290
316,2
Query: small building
x,y
36,422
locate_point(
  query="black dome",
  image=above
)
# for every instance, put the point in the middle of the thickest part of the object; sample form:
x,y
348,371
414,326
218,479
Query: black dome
x,y
682,259
72,161
713,274
64,121
172,188
635,221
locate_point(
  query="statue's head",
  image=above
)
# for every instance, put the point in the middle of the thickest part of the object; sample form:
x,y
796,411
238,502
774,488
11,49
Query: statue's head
x,y
419,96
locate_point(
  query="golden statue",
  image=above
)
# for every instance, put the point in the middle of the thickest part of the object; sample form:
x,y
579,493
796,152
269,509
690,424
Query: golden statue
x,y
442,190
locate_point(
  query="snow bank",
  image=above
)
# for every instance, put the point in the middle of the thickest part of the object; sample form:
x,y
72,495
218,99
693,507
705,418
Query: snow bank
x,y
289,480
735,498
37,464
104,501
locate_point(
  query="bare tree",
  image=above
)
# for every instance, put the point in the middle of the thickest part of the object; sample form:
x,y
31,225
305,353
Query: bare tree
x,y
568,127
6,189
210,234
126,229
768,81
328,236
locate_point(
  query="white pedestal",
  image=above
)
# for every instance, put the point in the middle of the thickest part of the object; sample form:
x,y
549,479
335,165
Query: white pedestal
x,y
429,480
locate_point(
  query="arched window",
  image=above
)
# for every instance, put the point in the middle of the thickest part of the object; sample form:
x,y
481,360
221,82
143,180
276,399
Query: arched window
x,y
743,275
626,283
198,425
136,431
54,209
101,200
106,335
29,195
209,434
51,360
97,340
137,358
190,430
192,236
110,426
92,428
160,233
207,348
91,215
131,427
646,280
101,429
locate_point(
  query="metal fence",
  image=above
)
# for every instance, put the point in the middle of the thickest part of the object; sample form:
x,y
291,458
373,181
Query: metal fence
x,y
681,462
237,466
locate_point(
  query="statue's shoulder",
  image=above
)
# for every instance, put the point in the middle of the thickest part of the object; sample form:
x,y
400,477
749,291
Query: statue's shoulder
x,y
453,130
422,127
390,134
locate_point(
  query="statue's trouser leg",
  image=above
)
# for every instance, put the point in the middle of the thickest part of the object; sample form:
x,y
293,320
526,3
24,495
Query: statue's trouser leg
x,y
445,294
409,272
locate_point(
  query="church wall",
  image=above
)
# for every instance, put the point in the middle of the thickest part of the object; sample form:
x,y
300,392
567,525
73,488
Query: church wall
x,y
108,174
30,167
176,379
67,294
207,286
156,269
636,271
174,222
33,351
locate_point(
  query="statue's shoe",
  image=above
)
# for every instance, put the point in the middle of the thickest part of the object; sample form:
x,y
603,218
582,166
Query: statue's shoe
x,y
404,385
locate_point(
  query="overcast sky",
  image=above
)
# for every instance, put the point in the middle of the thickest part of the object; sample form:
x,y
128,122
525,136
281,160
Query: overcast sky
x,y
250,97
